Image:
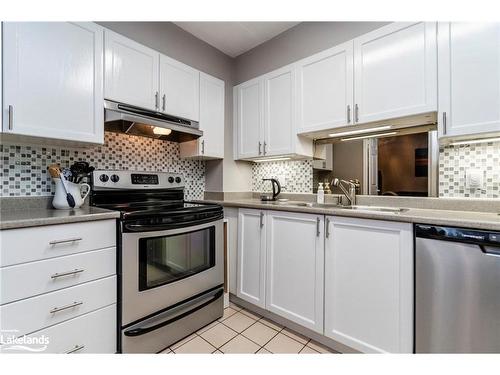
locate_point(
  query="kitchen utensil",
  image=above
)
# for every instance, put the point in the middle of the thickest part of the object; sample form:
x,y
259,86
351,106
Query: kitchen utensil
x,y
60,200
55,172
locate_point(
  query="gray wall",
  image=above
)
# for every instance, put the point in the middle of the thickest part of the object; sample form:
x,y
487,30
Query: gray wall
x,y
305,39
173,41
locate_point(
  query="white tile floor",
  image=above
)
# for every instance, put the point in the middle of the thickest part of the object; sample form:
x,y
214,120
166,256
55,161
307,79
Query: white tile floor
x,y
242,331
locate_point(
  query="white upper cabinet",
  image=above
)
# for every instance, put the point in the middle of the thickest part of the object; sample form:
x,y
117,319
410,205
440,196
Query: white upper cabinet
x,y
279,116
395,72
251,263
266,118
295,261
52,80
131,72
179,88
249,118
469,78
325,89
211,144
369,284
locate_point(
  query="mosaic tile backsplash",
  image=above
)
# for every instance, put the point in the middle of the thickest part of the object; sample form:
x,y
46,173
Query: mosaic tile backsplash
x,y
294,176
297,176
24,167
454,162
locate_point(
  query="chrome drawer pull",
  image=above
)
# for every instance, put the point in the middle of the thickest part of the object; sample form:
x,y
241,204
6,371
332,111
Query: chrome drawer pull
x,y
71,305
75,349
69,273
56,242
318,232
327,226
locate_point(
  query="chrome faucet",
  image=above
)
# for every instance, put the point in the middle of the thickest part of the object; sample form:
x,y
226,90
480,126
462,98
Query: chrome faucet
x,y
351,193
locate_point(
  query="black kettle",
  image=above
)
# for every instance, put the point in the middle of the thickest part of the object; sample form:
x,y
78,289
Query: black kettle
x,y
276,190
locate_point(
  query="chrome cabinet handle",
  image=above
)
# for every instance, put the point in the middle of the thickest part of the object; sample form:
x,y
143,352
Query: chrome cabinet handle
x,y
260,145
164,101
356,113
70,306
261,219
11,117
156,100
444,123
56,242
68,273
327,227
203,146
317,227
348,113
265,144
75,349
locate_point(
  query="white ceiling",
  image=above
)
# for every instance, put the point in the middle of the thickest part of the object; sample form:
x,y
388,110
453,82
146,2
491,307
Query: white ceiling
x,y
235,38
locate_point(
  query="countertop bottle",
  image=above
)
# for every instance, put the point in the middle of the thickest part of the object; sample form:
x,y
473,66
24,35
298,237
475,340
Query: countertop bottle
x,y
321,194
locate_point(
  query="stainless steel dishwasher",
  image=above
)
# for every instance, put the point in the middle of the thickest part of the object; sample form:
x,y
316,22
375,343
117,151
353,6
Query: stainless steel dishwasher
x,y
457,290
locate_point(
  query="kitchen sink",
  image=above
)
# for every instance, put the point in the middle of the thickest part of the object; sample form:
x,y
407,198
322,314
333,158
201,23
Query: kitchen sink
x,y
376,209
337,206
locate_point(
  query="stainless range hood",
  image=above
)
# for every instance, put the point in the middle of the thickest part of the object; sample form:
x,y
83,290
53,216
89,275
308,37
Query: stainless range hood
x,y
128,119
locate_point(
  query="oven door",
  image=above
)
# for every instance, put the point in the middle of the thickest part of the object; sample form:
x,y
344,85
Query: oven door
x,y
162,268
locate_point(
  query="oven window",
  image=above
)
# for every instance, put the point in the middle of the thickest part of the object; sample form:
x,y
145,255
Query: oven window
x,y
165,259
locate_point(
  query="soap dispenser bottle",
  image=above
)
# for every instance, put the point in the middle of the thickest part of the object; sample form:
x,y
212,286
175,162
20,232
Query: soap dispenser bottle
x,y
321,194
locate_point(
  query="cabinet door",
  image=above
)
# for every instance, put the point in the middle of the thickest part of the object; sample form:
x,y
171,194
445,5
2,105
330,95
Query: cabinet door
x,y
249,118
180,89
131,72
53,74
395,71
251,256
369,284
212,116
469,78
279,112
211,144
295,261
325,89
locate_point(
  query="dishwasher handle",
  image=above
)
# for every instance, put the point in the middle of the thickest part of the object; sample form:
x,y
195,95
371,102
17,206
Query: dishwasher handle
x,y
492,251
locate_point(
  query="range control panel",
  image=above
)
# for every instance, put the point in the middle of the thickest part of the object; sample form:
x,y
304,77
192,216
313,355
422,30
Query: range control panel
x,y
106,179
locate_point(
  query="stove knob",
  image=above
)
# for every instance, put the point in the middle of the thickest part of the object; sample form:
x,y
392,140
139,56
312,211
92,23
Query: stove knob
x,y
171,179
115,178
104,178
178,180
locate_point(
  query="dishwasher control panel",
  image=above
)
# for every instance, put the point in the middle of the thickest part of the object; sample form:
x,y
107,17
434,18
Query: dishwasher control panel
x,y
474,236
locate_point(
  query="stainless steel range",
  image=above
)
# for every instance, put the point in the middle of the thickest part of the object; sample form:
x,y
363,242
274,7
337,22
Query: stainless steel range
x,y
170,258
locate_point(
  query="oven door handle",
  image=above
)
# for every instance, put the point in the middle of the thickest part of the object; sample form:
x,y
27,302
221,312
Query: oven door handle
x,y
143,330
150,228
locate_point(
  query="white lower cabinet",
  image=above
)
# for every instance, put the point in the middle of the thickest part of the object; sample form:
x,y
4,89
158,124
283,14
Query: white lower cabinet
x,y
92,333
251,257
280,264
294,272
61,295
369,284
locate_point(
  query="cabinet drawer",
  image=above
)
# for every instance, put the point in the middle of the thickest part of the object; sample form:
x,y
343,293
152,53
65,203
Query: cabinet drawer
x,y
33,314
30,279
94,332
37,243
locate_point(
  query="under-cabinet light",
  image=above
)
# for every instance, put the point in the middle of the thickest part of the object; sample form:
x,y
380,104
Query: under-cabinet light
x,y
474,141
368,136
271,159
360,131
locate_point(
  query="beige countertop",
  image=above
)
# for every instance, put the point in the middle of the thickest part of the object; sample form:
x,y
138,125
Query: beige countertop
x,y
21,218
468,219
